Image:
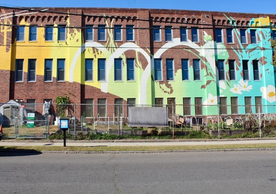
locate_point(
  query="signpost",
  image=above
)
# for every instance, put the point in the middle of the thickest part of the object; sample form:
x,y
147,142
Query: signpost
x,y
64,125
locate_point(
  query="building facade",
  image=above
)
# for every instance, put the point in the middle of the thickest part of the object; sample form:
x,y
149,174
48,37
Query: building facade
x,y
189,60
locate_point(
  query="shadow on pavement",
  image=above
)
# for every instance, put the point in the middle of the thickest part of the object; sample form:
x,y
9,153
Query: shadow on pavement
x,y
17,152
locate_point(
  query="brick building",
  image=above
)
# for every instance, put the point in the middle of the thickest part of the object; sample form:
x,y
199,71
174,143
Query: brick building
x,y
189,60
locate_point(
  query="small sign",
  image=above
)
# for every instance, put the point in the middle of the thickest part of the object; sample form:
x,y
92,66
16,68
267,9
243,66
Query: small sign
x,y
64,124
23,106
31,116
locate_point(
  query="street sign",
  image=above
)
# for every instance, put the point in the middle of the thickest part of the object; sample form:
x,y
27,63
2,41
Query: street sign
x,y
64,125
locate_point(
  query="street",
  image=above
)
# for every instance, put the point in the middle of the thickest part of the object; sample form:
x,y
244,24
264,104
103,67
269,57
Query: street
x,y
195,172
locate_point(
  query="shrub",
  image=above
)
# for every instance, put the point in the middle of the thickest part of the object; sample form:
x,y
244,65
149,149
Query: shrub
x,y
197,135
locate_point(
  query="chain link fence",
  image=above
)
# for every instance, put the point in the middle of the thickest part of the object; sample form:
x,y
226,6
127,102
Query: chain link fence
x,y
40,120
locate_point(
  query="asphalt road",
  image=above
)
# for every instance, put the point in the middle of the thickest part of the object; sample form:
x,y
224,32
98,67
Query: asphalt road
x,y
197,172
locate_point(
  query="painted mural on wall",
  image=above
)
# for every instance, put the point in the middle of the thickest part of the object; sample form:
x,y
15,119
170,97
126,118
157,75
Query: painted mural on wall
x,y
209,88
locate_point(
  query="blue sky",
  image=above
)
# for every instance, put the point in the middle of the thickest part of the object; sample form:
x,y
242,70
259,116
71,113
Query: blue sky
x,y
246,6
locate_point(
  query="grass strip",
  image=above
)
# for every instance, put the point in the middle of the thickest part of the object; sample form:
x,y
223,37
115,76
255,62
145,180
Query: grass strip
x,y
135,148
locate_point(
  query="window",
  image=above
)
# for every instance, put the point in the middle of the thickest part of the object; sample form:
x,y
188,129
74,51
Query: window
x,y
243,36
258,103
253,36
158,102
131,102
234,105
102,107
19,70
223,105
196,64
156,33
30,105
88,69
170,69
118,108
256,73
129,33
118,70
101,32
60,69
171,106
168,33
157,69
183,34
194,35
117,32
247,102
89,33
274,35
245,70
61,33
32,33
221,70
198,106
49,33
185,69
48,70
130,69
186,106
20,36
219,35
232,72
229,33
101,69
31,70
89,107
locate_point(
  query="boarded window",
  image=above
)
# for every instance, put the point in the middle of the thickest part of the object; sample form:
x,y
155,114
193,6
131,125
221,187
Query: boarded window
x,y
234,105
186,106
223,105
198,106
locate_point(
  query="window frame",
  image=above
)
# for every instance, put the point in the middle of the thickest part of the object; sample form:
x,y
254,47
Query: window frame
x,y
157,102
118,31
60,70
50,33
17,71
60,32
253,36
194,69
229,36
183,34
194,29
101,70
100,32
254,64
89,32
20,34
170,70
130,69
168,33
118,62
45,70
32,33
158,71
241,36
219,37
245,72
129,31
185,70
31,72
232,70
156,33
87,70
221,70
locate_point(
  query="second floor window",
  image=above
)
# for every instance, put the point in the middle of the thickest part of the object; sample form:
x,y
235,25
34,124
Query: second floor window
x,y
245,70
31,70
157,69
196,65
62,33
60,69
101,69
256,73
33,33
88,69
221,70
19,70
274,35
232,72
170,69
48,70
118,69
130,69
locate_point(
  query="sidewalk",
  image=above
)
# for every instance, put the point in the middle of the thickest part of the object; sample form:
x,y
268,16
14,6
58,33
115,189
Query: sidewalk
x,y
134,143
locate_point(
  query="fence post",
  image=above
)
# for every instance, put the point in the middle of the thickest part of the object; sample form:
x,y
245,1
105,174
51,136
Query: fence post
x,y
260,130
74,121
218,120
